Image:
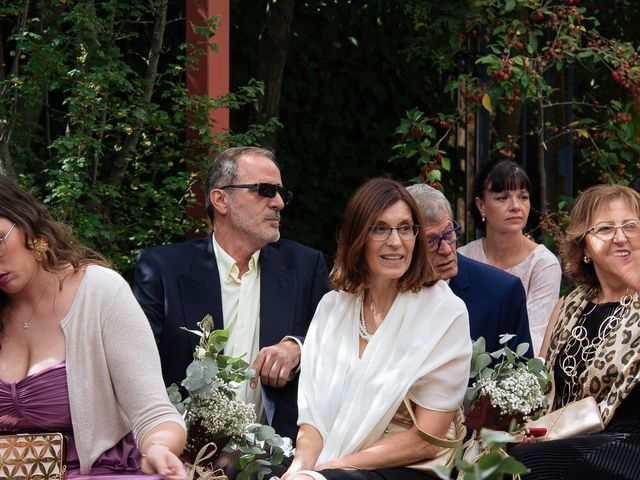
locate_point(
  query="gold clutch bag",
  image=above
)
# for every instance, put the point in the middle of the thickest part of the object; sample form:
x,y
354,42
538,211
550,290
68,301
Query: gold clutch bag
x,y
576,418
32,456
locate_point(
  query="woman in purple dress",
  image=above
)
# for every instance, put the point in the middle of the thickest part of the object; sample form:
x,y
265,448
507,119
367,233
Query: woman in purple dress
x,y
77,355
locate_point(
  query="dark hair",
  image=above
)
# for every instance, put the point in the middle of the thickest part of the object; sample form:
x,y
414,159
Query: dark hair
x,y
587,205
224,170
32,218
350,270
497,176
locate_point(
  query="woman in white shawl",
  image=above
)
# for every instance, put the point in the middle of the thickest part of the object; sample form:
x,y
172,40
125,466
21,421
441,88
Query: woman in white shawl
x,y
387,331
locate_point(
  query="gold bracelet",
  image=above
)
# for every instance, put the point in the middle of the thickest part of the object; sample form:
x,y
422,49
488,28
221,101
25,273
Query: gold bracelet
x,y
153,442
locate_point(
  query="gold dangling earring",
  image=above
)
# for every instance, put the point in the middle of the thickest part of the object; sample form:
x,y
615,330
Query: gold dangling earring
x,y
40,247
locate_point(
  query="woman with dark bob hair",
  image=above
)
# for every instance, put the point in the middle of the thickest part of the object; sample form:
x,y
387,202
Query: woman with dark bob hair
x,y
387,331
77,355
592,345
501,209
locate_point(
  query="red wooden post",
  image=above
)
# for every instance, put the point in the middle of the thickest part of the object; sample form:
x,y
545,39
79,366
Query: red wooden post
x,y
211,75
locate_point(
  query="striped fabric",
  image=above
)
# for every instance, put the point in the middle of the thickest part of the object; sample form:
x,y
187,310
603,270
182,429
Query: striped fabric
x,y
601,456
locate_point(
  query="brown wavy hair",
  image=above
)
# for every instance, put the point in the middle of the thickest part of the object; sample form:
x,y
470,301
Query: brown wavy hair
x,y
34,221
350,270
587,205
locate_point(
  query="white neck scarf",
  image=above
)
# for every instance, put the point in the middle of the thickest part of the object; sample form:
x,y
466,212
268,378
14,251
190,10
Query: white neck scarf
x,y
422,348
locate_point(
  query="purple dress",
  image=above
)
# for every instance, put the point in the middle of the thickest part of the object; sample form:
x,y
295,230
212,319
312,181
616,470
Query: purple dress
x,y
40,403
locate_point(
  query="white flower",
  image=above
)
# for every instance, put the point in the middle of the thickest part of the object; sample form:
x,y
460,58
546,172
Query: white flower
x,y
220,415
518,392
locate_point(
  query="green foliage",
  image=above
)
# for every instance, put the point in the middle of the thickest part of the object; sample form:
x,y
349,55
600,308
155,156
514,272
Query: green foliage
x,y
93,118
501,364
491,463
519,55
213,413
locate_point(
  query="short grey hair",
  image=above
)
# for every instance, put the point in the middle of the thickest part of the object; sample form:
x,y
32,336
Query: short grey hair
x,y
431,202
224,170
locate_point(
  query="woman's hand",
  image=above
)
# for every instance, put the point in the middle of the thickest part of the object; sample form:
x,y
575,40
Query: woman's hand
x,y
158,459
295,467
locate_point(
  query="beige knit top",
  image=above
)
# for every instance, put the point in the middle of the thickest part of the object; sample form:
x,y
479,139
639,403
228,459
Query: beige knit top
x,y
113,367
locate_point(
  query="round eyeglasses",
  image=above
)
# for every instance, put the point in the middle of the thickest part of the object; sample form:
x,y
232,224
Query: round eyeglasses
x,y
450,237
380,233
607,232
3,241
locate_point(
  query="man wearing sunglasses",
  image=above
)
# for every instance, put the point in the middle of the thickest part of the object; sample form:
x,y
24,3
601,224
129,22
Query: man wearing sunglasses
x,y
495,299
262,288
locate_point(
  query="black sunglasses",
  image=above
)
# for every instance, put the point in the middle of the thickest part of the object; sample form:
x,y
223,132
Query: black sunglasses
x,y
267,190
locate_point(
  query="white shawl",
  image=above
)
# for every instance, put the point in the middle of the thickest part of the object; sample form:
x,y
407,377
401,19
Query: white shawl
x,y
422,348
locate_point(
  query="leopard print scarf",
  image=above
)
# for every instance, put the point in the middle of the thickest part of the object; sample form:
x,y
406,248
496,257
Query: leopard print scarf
x,y
615,368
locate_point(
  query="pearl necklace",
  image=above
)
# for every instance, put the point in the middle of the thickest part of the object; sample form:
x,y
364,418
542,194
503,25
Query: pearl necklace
x,y
362,327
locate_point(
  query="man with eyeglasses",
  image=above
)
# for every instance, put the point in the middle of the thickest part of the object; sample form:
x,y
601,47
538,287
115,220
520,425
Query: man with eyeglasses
x,y
495,299
263,288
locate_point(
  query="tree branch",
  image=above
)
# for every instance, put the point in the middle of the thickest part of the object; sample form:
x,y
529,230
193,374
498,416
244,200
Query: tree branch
x,y
131,142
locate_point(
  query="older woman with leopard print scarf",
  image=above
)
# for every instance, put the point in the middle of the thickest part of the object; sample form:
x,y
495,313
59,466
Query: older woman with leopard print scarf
x,y
592,344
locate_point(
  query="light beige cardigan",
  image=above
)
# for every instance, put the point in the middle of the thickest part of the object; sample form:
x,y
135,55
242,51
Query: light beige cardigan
x,y
113,367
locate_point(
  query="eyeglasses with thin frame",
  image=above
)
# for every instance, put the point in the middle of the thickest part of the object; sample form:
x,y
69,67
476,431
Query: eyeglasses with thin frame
x,y
450,237
267,190
3,241
607,231
381,233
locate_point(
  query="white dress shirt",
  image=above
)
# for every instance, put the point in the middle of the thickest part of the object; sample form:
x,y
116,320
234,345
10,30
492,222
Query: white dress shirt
x,y
241,311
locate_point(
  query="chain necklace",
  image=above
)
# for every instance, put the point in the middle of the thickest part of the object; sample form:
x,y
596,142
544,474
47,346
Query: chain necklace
x,y
584,348
27,323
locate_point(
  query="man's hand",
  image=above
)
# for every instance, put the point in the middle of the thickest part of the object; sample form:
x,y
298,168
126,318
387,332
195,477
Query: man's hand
x,y
274,364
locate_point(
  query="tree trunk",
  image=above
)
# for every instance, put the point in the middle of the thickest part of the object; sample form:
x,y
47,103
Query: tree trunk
x,y
272,58
542,172
131,142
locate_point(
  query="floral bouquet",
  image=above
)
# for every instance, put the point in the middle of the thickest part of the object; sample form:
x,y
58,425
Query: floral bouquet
x,y
508,389
215,418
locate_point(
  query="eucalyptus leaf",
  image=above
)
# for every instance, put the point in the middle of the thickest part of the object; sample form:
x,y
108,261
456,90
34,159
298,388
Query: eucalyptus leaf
x,y
535,365
274,441
505,337
480,345
442,472
173,392
522,349
511,466
195,332
489,436
263,432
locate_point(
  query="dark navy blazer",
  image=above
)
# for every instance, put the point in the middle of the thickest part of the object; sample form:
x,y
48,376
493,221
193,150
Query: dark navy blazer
x,y
178,284
496,302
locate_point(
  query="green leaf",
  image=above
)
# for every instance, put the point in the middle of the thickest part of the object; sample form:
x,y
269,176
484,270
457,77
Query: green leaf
x,y
489,436
522,349
505,338
535,365
263,432
442,472
244,460
511,466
